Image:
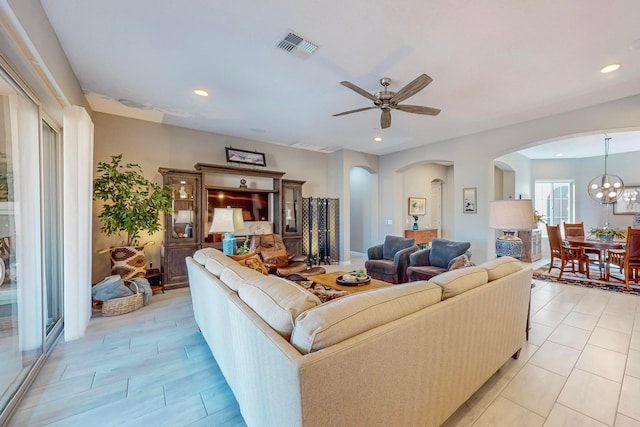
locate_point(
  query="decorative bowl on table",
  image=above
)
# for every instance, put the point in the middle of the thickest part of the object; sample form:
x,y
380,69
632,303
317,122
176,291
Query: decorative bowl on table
x,y
349,279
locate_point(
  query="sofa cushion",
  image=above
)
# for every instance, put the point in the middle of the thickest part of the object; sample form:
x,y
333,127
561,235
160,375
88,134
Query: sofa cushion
x,y
442,251
501,267
277,301
393,244
234,275
217,262
338,320
201,255
458,281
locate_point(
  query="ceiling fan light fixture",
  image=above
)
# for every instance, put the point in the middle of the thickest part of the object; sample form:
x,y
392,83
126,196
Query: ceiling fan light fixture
x,y
609,68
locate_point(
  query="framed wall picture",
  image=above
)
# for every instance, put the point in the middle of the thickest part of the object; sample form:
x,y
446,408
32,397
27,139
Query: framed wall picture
x,y
417,206
629,202
236,155
469,200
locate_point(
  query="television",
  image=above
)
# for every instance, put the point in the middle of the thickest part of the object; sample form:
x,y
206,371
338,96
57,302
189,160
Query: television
x,y
254,204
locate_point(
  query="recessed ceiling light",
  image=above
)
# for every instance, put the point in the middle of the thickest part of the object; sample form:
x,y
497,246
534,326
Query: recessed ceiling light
x,y
201,92
559,155
377,139
610,68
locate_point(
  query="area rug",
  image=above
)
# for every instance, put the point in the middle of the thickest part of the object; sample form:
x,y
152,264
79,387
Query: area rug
x,y
577,279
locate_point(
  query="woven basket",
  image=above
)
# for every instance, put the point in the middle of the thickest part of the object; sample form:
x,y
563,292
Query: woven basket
x,y
117,306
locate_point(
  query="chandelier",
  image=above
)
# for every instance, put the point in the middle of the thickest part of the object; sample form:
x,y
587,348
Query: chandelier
x,y
606,189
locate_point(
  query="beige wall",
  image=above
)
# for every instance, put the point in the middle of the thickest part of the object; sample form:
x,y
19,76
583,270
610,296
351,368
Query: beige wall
x,y
154,145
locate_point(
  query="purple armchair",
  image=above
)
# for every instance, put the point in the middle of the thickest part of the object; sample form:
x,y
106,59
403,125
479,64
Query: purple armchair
x,y
389,261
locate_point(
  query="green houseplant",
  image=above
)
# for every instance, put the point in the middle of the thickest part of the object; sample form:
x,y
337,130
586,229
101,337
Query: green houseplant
x,y
132,204
605,233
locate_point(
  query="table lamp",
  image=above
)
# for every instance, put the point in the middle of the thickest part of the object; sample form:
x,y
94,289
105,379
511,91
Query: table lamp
x,y
227,221
185,217
511,216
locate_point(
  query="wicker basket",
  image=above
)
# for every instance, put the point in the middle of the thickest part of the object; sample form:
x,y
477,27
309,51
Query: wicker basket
x,y
117,306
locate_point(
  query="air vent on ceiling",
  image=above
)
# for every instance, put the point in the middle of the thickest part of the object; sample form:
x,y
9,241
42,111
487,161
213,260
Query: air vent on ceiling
x,y
297,45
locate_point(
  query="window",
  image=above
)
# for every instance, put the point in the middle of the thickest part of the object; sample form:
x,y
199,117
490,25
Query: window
x,y
555,200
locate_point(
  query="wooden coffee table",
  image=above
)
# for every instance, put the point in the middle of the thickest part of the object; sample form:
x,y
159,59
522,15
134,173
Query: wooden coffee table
x,y
329,279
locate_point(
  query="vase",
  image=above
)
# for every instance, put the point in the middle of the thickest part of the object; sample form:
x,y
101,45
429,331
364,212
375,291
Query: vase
x,y
606,237
128,261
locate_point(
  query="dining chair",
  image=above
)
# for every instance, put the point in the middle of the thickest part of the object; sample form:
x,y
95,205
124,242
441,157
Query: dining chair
x,y
566,254
628,259
577,230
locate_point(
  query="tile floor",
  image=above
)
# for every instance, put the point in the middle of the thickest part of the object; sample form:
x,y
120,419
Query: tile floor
x,y
580,367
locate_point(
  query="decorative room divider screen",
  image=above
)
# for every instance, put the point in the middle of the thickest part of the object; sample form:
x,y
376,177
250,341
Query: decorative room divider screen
x,y
321,236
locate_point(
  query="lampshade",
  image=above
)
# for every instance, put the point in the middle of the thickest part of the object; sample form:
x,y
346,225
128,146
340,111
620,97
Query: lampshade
x,y
184,217
607,188
511,215
226,220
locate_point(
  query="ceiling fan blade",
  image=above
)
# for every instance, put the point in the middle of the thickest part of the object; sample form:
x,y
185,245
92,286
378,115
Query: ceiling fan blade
x,y
359,90
417,109
411,89
385,118
354,111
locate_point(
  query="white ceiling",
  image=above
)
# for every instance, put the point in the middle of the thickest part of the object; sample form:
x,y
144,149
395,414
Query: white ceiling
x,y
493,63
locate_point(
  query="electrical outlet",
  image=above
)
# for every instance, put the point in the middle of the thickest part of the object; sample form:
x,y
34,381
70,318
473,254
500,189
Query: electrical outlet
x,y
389,222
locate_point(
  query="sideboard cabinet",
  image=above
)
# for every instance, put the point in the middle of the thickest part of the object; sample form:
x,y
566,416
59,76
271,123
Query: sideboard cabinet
x,y
182,235
421,236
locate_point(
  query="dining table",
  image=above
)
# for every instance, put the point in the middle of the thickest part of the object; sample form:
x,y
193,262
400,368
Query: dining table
x,y
602,245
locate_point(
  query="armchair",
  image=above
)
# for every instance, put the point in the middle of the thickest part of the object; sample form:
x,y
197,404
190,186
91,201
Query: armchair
x,y
389,261
442,256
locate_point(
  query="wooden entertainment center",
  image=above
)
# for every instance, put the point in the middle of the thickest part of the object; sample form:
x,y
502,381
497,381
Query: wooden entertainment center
x,y
196,192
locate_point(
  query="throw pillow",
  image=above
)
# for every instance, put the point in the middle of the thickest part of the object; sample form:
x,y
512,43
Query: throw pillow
x,y
460,262
393,244
255,263
275,257
442,251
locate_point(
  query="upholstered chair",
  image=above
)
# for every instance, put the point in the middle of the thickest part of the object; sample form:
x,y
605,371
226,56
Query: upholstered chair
x,y
389,261
443,255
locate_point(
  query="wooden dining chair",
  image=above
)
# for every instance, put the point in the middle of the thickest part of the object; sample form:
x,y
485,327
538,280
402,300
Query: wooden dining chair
x,y
577,230
628,259
566,254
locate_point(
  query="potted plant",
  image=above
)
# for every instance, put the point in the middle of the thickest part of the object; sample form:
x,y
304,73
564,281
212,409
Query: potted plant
x,y
605,233
132,204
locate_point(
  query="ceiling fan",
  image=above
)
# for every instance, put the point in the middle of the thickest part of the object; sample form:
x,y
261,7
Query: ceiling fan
x,y
386,100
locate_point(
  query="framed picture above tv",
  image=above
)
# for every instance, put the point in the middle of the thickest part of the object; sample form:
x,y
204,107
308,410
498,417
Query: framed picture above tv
x,y
235,155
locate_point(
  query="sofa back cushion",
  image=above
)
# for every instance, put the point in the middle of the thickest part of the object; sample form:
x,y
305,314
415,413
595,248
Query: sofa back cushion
x,y
393,244
234,275
201,255
442,251
455,282
501,267
218,262
277,301
349,316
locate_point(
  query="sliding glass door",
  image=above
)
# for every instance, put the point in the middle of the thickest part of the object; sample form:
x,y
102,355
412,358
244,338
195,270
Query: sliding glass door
x,y
52,228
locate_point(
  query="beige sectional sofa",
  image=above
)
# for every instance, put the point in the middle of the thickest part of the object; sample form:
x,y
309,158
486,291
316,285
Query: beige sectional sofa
x,y
406,355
